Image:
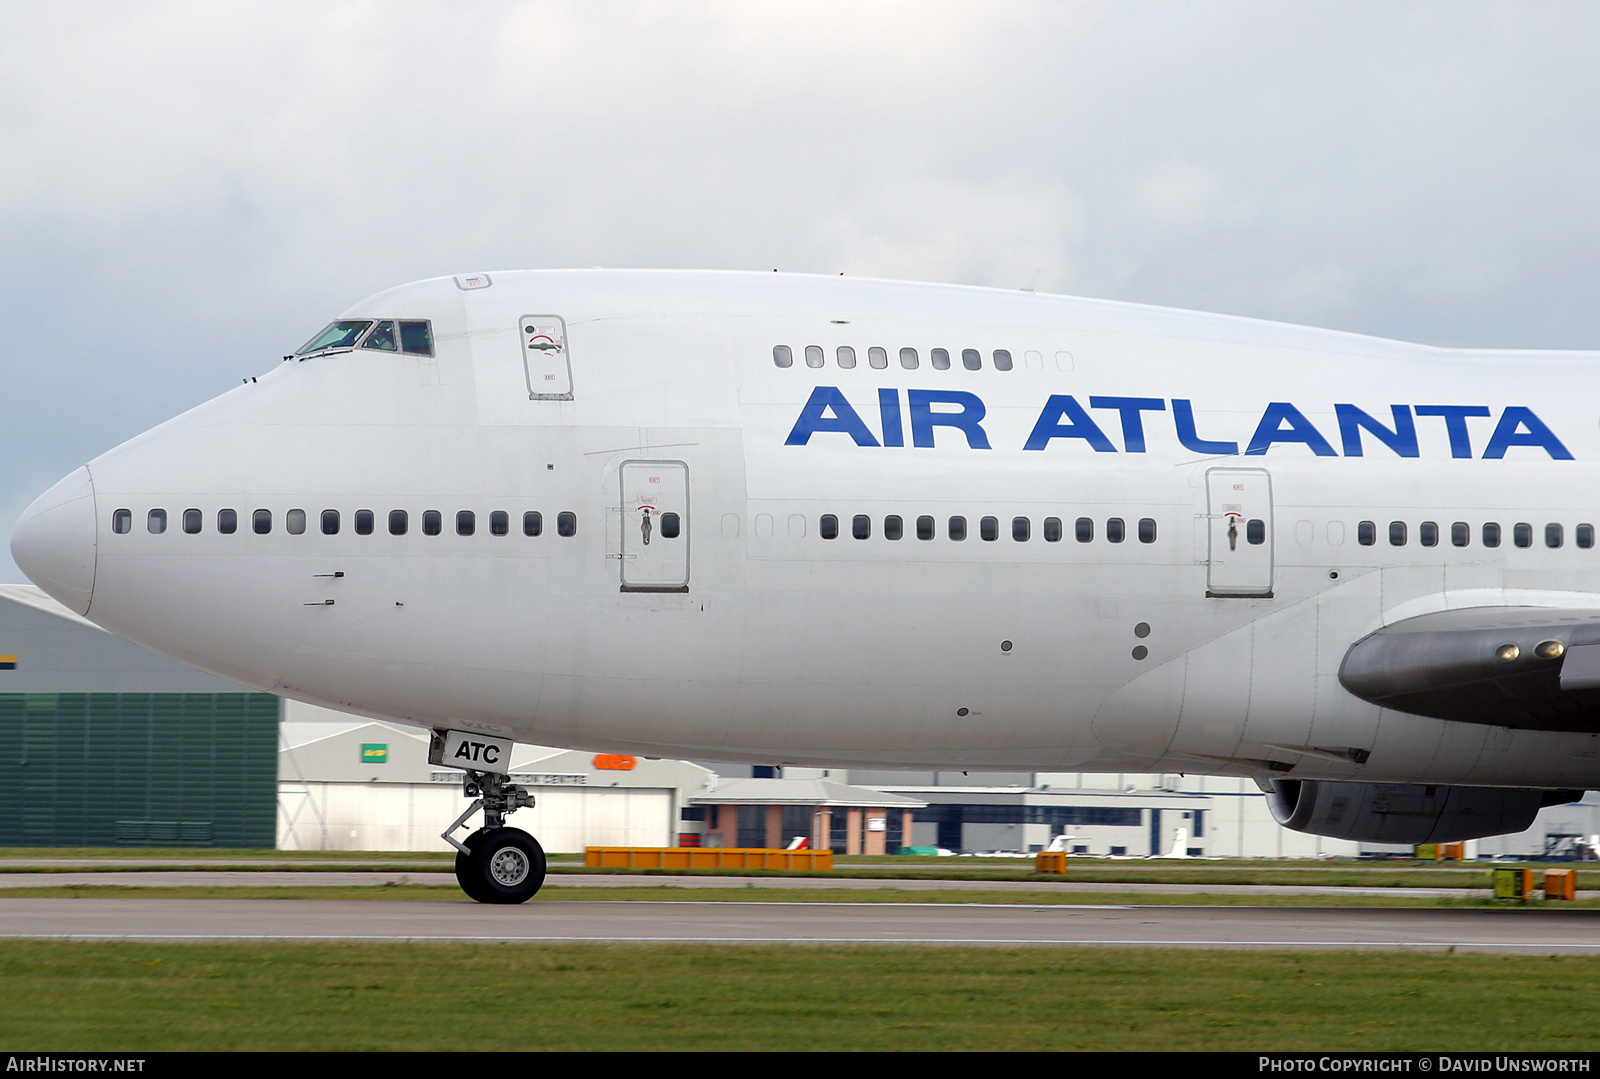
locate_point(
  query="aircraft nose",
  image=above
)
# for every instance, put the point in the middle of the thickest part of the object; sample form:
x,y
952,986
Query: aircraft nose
x,y
54,542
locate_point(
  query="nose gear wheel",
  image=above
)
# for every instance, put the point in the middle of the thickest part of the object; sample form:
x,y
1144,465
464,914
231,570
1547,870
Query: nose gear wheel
x,y
500,865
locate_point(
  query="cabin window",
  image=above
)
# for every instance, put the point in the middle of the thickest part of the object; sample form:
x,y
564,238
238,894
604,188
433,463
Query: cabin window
x,y
1255,531
364,521
1460,534
156,522
532,523
671,526
814,356
1522,534
893,527
294,522
940,358
782,356
1002,360
192,521
1083,530
1397,533
971,359
1428,534
1116,530
1552,535
828,527
566,523
1147,530
877,357
499,523
330,522
399,522
925,527
989,529
861,526
466,523
1052,530
1021,529
1583,536
958,528
432,522
1366,533
908,359
261,522
122,522
1491,534
382,337
416,338
227,522
846,357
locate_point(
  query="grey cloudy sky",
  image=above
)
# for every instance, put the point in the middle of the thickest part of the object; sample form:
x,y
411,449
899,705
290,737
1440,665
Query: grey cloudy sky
x,y
189,190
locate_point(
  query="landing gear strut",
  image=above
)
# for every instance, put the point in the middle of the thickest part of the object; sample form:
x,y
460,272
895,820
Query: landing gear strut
x,y
494,864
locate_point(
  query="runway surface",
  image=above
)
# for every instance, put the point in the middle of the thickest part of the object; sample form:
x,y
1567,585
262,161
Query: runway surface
x,y
1536,932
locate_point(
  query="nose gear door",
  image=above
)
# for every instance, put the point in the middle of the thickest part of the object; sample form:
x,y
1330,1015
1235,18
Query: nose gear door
x,y
655,526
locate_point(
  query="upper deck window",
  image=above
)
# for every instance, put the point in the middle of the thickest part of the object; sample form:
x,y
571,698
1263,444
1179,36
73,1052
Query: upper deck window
x,y
338,335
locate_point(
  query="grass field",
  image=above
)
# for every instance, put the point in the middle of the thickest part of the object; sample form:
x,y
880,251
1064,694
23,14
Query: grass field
x,y
133,997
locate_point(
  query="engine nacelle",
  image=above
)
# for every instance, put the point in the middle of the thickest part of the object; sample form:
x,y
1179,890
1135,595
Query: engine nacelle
x,y
1392,813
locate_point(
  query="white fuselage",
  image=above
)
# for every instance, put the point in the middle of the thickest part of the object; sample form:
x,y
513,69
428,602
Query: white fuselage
x,y
1208,639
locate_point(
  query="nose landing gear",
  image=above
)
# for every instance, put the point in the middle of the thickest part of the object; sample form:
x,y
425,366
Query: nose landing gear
x,y
494,864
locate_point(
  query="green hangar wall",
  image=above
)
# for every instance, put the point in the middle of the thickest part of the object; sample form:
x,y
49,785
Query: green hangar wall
x,y
103,744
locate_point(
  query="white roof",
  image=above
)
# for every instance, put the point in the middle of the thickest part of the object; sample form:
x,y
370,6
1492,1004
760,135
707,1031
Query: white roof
x,y
32,596
810,792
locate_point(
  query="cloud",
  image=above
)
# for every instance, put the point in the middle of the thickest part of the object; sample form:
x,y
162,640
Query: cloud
x,y
188,190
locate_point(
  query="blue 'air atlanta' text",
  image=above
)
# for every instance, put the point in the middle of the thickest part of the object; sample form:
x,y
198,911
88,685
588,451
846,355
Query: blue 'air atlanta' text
x,y
1064,421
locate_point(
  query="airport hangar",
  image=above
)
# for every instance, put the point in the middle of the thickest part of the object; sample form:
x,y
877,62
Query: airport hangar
x,y
105,744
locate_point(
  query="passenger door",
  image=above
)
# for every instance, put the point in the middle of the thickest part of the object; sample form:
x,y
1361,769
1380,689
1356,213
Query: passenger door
x,y
655,526
1239,518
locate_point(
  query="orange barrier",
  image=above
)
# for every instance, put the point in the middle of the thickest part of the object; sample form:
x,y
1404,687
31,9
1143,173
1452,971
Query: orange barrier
x,y
1050,861
1561,884
706,858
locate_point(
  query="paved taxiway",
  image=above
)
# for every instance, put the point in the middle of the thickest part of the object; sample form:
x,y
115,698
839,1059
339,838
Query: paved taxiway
x,y
194,878
1537,932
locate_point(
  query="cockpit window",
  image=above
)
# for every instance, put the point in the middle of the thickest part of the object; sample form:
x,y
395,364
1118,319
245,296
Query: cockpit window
x,y
338,335
382,336
416,337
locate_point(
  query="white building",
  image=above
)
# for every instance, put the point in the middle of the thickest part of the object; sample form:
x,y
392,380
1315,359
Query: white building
x,y
347,783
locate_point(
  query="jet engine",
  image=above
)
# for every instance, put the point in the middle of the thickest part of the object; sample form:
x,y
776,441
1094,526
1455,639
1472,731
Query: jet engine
x,y
1392,813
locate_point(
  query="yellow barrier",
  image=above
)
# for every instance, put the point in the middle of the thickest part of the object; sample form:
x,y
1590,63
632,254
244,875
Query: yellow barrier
x,y
1050,861
706,858
1512,883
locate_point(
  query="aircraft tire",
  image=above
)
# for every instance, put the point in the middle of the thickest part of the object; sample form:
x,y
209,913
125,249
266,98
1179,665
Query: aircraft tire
x,y
464,872
507,865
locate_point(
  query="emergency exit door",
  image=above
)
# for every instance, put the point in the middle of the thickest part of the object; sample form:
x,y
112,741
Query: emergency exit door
x,y
655,526
1239,520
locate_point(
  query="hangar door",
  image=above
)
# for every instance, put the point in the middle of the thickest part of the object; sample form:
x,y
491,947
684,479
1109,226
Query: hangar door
x,y
655,526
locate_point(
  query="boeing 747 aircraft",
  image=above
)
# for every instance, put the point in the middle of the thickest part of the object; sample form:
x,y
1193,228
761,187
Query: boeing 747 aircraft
x,y
814,520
